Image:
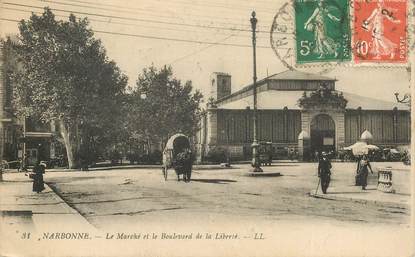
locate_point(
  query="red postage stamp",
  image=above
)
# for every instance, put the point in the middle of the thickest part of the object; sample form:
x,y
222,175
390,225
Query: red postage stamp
x,y
380,31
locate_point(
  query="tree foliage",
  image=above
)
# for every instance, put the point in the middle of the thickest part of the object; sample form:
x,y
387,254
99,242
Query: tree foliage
x,y
162,105
66,76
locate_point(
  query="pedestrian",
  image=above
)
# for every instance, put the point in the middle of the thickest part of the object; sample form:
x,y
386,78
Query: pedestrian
x,y
357,177
317,156
324,166
24,163
364,166
38,170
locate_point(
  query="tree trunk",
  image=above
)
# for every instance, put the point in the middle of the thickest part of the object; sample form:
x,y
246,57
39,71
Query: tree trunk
x,y
68,145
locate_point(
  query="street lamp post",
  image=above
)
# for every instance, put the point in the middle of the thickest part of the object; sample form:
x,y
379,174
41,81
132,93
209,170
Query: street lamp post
x,y
255,161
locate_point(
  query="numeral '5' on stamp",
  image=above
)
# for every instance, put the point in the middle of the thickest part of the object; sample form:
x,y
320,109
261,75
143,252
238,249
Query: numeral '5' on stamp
x,y
322,30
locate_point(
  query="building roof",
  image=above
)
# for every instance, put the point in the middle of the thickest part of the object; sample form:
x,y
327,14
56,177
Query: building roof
x,y
285,75
277,100
368,103
298,75
267,100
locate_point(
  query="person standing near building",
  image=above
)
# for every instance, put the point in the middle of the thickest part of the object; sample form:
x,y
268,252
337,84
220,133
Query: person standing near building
x,y
38,170
317,156
357,177
364,166
324,167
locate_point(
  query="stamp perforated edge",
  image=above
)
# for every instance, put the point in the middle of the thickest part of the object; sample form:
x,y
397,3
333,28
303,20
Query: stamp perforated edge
x,y
327,64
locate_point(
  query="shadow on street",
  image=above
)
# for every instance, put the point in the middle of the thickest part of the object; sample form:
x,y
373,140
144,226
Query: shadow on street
x,y
214,181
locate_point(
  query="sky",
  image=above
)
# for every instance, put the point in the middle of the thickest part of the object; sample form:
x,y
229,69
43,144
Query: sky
x,y
197,38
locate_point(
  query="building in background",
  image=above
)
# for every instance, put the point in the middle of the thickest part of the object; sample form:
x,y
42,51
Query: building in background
x,y
297,112
20,135
9,127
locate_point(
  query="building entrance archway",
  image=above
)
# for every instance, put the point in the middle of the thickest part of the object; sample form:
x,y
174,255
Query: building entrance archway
x,y
323,133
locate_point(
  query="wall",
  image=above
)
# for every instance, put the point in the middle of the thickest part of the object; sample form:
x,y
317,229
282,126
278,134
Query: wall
x,y
337,116
221,85
387,127
233,130
277,126
282,127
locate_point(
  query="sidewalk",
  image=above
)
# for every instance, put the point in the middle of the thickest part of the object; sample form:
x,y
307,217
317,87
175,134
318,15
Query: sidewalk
x,y
34,224
371,195
20,208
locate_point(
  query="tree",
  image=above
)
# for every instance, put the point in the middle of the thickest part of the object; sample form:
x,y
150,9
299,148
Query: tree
x,y
67,77
161,106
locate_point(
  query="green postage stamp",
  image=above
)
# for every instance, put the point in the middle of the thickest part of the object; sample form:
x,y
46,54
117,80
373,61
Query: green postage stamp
x,y
322,31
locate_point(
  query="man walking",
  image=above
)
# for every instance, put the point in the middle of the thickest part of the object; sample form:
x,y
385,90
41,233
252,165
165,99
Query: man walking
x,y
324,166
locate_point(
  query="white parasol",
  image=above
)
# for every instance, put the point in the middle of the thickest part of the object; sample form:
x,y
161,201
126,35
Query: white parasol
x,y
361,148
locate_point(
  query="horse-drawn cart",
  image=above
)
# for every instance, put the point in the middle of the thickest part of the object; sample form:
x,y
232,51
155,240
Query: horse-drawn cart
x,y
177,155
265,153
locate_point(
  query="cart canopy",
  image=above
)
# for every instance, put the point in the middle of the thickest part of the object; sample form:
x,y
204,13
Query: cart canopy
x,y
177,143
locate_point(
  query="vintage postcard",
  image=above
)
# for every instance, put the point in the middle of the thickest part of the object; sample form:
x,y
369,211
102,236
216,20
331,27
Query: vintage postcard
x,y
206,128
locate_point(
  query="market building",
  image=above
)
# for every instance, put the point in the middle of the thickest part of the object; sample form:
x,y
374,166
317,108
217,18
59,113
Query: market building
x,y
298,113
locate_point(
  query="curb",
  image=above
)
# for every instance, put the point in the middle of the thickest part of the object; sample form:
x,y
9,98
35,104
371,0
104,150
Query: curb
x,y
263,174
70,209
361,201
61,201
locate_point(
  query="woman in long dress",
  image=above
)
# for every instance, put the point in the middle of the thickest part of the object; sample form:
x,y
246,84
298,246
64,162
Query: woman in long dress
x,y
38,184
324,45
357,177
375,23
364,167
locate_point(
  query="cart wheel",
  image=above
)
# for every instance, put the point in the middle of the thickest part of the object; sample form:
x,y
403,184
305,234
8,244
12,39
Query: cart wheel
x,y
164,169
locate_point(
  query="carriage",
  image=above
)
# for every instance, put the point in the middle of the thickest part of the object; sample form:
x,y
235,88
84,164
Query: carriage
x,y
265,153
177,155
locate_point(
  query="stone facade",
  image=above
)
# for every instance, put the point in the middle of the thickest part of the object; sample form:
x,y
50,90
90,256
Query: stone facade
x,y
292,103
307,117
212,127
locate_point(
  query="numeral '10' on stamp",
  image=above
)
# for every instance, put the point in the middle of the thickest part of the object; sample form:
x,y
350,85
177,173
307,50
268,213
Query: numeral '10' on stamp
x,y
380,31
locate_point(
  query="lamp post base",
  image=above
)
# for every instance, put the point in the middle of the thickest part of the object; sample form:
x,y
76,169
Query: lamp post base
x,y
256,163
